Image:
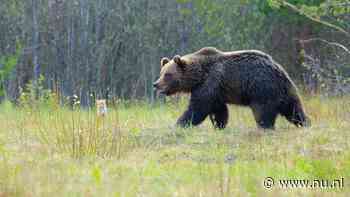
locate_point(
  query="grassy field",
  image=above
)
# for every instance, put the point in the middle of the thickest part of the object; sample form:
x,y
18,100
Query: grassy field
x,y
136,151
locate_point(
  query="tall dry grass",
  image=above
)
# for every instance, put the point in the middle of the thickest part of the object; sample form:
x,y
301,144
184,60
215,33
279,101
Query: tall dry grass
x,y
135,150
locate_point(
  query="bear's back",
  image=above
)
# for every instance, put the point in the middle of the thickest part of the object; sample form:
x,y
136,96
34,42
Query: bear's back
x,y
212,53
208,51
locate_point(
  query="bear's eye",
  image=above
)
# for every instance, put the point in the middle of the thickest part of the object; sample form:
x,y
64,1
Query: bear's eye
x,y
167,76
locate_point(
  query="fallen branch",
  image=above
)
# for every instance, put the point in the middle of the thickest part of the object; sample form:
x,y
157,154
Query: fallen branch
x,y
327,42
298,11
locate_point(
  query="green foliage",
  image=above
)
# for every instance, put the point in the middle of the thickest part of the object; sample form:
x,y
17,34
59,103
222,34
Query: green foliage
x,y
95,51
33,97
8,63
12,8
321,169
210,14
96,174
305,9
227,25
275,8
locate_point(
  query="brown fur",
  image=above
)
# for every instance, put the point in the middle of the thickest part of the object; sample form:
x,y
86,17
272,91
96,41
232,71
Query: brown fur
x,y
215,78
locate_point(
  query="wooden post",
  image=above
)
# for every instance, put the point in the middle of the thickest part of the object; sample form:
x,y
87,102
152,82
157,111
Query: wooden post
x,y
101,108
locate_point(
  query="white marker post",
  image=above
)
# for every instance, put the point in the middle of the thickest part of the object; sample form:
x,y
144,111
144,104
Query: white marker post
x,y
101,108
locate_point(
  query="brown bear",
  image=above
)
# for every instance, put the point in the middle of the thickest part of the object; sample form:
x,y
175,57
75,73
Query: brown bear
x,y
215,79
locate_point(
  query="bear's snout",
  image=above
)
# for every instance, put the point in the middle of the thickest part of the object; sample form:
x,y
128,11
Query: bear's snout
x,y
161,88
156,84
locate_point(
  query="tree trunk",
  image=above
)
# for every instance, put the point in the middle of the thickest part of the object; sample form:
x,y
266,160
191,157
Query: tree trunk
x,y
35,47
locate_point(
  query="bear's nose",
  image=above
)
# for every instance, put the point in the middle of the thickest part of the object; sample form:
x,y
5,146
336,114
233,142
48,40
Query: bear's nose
x,y
155,84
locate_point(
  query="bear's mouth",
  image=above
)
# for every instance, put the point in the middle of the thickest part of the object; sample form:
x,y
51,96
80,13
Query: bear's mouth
x,y
161,91
165,92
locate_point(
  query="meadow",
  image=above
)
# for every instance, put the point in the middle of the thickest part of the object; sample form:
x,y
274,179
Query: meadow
x,y
49,150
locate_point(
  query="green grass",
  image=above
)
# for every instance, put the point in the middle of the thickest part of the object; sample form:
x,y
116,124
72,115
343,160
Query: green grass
x,y
136,151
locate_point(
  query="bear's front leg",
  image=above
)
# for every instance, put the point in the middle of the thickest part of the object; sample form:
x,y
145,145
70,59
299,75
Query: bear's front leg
x,y
192,117
204,101
198,109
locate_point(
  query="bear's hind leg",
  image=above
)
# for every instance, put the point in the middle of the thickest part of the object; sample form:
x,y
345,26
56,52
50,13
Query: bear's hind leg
x,y
219,116
265,116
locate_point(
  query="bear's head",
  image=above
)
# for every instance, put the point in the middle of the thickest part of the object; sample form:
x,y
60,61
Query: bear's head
x,y
174,76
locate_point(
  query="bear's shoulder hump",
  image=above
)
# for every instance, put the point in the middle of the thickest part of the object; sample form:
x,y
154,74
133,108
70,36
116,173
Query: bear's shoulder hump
x,y
208,51
256,53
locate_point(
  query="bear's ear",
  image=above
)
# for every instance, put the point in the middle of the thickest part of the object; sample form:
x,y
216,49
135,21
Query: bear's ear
x,y
180,62
164,61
